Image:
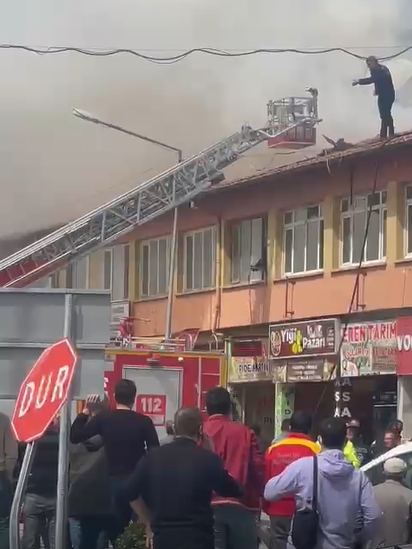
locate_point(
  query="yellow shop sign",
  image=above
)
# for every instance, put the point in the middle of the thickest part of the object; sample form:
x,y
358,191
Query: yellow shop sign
x,y
243,369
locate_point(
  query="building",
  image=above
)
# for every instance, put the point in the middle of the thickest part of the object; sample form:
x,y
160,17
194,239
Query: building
x,y
272,261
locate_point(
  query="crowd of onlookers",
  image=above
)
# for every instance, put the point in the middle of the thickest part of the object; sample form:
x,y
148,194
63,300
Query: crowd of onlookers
x,y
205,484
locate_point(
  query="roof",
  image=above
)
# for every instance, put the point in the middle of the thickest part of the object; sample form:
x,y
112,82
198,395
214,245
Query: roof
x,y
329,156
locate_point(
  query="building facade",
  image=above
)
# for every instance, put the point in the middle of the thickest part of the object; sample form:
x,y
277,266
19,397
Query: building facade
x,y
277,256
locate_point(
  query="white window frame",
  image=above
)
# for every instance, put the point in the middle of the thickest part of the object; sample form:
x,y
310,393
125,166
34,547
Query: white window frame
x,y
124,274
192,235
254,254
158,293
294,219
408,222
360,204
73,274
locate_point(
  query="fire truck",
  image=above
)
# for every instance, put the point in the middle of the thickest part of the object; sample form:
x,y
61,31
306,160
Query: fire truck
x,y
168,373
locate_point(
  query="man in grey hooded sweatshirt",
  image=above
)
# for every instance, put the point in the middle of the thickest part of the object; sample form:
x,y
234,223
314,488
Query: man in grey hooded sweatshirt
x,y
345,495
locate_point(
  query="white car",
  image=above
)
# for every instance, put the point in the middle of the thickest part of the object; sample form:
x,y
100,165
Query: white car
x,y
374,470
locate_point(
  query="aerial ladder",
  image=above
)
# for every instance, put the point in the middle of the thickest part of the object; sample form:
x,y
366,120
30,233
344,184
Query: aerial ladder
x,y
290,120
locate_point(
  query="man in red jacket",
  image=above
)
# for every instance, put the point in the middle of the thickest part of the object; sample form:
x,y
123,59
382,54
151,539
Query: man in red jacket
x,y
237,446
296,445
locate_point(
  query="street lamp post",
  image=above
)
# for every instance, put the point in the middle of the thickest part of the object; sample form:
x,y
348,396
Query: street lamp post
x,y
173,246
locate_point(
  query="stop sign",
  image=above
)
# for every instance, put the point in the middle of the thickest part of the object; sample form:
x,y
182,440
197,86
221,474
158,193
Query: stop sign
x,y
44,391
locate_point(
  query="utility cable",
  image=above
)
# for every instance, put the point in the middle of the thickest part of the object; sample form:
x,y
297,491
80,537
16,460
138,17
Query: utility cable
x,y
176,58
344,328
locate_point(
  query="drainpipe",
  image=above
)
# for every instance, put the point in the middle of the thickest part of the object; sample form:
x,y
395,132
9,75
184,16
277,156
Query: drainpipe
x,y
219,281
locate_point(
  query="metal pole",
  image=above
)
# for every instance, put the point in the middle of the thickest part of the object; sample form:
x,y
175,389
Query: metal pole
x,y
63,468
14,532
172,264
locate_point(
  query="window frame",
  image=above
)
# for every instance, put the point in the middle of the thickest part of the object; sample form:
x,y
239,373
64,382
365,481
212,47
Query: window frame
x,y
349,213
125,274
192,234
72,274
408,203
146,243
254,277
108,251
291,226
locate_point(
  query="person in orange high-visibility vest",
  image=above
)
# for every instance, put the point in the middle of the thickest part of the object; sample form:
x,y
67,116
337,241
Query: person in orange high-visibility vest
x,y
279,455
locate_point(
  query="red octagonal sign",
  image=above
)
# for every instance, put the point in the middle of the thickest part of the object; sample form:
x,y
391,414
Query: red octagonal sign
x,y
44,391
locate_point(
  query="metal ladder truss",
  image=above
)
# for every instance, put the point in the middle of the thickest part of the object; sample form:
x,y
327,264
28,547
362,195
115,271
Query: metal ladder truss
x,y
149,200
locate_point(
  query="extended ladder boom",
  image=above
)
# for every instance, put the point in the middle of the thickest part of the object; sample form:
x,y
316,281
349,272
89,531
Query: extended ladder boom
x,y
149,200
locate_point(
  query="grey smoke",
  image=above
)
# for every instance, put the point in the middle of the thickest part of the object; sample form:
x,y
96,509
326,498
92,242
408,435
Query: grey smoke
x,y
55,167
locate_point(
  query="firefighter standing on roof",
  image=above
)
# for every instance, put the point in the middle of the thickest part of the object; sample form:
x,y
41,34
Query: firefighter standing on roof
x,y
381,78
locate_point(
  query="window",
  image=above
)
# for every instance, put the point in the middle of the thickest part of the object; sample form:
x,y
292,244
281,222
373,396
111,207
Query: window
x,y
303,240
247,255
107,270
77,274
154,267
120,272
199,260
408,240
353,226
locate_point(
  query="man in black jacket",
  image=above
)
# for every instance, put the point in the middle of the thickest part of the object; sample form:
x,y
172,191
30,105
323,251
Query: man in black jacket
x,y
40,503
89,500
381,78
171,487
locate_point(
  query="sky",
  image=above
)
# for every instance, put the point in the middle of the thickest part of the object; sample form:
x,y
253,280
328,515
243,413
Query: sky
x,y
55,167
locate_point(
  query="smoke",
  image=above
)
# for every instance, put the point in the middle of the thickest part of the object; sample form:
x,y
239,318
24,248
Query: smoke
x,y
55,167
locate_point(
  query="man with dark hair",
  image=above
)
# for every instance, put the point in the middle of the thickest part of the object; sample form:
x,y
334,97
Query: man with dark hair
x,y
284,431
126,436
344,494
296,445
237,446
397,428
381,78
171,488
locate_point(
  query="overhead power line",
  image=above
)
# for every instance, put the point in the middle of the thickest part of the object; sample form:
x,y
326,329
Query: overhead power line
x,y
167,60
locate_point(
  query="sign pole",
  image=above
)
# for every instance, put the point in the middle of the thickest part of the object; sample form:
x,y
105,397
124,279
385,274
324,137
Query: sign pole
x,y
14,533
63,468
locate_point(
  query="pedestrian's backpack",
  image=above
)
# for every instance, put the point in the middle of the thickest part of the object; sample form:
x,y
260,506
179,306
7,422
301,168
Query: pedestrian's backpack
x,y
306,521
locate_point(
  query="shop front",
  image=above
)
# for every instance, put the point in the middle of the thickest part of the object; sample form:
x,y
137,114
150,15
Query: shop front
x,y
305,360
368,359
252,385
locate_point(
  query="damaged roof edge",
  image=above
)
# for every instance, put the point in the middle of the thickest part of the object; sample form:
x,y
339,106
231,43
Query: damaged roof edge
x,y
363,148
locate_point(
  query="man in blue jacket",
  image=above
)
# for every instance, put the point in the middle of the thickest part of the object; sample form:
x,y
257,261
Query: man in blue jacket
x,y
344,493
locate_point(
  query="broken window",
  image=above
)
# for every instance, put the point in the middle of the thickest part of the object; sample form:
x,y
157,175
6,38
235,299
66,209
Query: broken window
x,y
303,240
354,218
248,254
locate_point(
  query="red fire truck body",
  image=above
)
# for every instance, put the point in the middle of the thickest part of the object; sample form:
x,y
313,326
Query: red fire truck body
x,y
165,381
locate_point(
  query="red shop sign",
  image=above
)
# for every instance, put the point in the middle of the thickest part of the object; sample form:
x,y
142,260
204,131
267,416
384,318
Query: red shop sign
x,y
153,406
404,346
